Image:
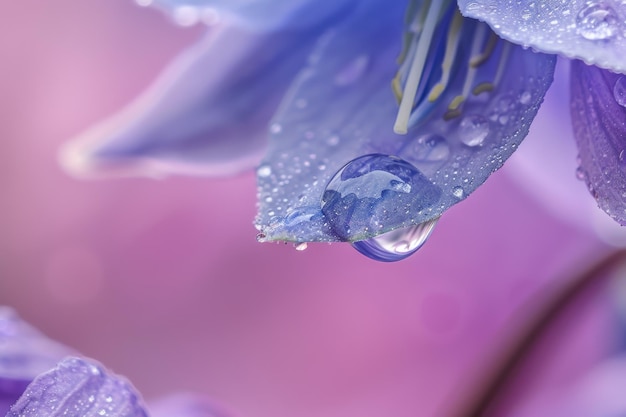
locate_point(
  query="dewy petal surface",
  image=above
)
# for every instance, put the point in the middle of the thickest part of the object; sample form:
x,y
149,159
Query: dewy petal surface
x,y
591,30
598,108
206,115
78,388
341,107
254,14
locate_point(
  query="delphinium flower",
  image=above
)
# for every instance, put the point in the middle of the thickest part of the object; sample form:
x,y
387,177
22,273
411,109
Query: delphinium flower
x,y
42,378
380,115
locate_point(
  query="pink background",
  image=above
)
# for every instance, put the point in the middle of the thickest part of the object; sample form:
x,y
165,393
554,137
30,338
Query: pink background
x,y
164,282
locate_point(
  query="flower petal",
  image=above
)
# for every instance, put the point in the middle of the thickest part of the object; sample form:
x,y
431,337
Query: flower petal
x,y
598,106
341,108
24,351
254,14
206,115
78,388
591,30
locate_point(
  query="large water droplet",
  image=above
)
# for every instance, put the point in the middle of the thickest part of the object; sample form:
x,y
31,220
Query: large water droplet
x,y
375,192
398,244
428,148
619,90
353,71
597,21
473,130
264,171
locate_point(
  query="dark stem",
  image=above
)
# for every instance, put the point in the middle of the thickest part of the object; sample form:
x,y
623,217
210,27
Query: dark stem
x,y
496,382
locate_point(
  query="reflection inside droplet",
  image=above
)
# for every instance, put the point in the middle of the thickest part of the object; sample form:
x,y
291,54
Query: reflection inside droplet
x,y
398,244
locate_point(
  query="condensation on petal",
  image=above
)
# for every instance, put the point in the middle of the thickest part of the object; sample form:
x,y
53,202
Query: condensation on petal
x,y
78,388
329,119
591,30
185,405
206,115
599,122
253,14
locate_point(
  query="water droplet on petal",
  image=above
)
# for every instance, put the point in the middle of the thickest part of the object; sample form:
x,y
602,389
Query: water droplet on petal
x,y
597,21
458,192
301,246
276,128
430,148
473,130
375,191
353,71
264,171
619,91
397,244
581,174
525,97
333,140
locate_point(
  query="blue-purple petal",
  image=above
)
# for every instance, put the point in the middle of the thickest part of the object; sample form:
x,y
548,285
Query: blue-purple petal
x,y
206,115
598,106
341,107
254,14
591,30
24,351
78,388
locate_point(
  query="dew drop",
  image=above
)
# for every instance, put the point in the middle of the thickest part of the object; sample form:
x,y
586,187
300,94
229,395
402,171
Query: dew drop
x,y
525,97
581,174
597,21
333,140
398,244
473,130
352,71
264,171
301,246
458,192
276,128
619,90
374,190
430,148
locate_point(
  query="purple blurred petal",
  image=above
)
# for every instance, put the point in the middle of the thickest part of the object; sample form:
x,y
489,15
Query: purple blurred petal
x,y
599,122
185,405
254,14
78,388
24,351
207,114
342,107
591,30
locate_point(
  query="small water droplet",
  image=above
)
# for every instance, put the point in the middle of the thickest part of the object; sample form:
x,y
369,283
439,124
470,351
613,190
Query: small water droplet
x,y
276,128
458,192
597,20
473,130
430,148
581,174
525,97
301,246
352,71
398,244
372,190
619,90
264,171
260,237
333,140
